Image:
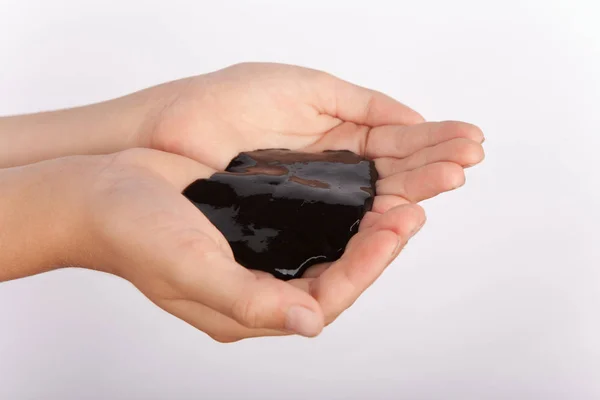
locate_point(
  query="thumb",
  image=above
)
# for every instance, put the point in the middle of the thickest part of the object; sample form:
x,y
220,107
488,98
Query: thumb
x,y
193,254
187,254
363,106
254,301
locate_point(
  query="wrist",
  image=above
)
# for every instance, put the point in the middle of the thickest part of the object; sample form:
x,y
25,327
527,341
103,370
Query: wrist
x,y
40,214
100,128
152,104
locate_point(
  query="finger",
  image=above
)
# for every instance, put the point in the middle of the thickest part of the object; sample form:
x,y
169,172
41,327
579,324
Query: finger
x,y
369,220
312,272
464,152
363,106
424,182
218,326
404,220
383,203
366,256
202,273
402,141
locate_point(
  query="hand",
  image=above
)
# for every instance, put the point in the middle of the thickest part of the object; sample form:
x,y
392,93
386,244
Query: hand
x,y
124,214
140,227
213,117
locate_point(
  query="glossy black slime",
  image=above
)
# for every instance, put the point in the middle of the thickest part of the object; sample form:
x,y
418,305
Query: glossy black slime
x,y
283,211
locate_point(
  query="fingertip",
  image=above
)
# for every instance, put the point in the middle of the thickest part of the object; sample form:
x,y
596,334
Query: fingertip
x,y
420,217
404,221
413,117
416,212
273,304
464,129
304,321
469,152
454,176
476,156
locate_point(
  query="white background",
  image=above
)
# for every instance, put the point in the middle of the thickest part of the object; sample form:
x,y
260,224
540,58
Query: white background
x,y
497,298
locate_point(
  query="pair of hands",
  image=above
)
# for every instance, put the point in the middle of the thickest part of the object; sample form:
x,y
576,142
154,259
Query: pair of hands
x,y
123,212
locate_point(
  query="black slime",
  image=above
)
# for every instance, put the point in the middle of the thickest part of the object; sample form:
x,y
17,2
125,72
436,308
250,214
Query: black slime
x,y
283,211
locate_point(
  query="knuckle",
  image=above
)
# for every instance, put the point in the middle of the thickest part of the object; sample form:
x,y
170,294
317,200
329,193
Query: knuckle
x,y
196,247
395,166
401,141
246,312
192,248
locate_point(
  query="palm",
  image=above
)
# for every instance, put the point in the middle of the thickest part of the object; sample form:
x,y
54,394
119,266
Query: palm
x,y
177,258
160,242
254,106
213,117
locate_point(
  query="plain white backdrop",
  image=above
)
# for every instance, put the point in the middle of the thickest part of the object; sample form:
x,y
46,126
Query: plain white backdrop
x,y
497,298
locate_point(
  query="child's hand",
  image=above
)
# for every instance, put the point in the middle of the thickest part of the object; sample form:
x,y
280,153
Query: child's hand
x,y
124,214
213,117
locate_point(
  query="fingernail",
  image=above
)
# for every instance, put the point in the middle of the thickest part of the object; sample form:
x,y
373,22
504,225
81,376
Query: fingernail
x,y
303,321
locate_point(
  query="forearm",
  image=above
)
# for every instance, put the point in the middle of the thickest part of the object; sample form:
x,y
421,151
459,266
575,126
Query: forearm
x,y
36,212
94,129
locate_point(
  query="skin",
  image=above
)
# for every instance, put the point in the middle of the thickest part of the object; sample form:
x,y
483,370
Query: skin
x,y
108,195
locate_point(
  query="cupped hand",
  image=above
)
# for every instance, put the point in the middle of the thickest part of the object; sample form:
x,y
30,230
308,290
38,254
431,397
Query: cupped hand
x,y
124,214
213,117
